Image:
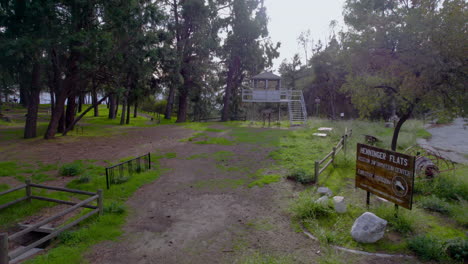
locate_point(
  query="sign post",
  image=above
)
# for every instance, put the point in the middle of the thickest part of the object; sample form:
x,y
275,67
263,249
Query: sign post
x,y
387,174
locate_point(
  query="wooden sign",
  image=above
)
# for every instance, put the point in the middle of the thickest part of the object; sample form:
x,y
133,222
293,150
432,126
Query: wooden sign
x,y
387,174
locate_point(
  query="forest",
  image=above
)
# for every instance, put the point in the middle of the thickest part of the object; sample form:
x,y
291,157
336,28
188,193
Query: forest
x,y
190,59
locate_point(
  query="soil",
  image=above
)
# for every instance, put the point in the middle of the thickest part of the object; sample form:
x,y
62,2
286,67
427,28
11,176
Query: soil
x,y
181,218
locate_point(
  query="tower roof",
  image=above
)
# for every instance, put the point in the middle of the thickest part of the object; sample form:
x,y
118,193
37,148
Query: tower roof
x,y
266,76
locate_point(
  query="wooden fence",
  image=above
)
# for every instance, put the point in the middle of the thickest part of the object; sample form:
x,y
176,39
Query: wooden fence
x,y
5,256
331,156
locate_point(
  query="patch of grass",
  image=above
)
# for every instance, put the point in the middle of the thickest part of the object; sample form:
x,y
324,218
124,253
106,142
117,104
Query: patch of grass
x,y
114,208
435,204
170,155
301,176
201,127
216,141
403,222
427,247
261,225
71,169
305,207
85,178
223,156
198,156
8,168
446,186
457,249
41,177
4,187
265,179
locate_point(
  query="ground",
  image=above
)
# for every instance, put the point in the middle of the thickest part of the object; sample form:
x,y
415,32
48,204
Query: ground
x,y
201,209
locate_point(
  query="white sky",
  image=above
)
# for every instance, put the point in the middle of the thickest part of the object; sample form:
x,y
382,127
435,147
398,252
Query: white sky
x,y
288,18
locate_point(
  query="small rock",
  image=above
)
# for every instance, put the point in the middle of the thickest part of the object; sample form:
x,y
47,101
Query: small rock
x,y
368,228
340,204
324,191
389,124
322,200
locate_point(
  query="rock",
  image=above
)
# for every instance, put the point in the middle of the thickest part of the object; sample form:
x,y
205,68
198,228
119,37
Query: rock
x,y
340,204
322,200
325,129
389,124
319,134
368,228
324,191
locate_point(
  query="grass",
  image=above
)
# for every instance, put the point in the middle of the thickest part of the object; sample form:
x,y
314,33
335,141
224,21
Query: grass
x,y
8,168
427,248
265,179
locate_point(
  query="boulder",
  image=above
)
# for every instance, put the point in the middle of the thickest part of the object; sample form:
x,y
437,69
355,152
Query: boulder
x,y
340,204
325,191
322,200
368,228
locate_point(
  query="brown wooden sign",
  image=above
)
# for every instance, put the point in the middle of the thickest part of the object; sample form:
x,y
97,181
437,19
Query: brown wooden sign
x,y
385,173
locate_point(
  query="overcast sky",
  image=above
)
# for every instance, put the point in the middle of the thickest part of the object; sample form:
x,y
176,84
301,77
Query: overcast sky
x,y
288,18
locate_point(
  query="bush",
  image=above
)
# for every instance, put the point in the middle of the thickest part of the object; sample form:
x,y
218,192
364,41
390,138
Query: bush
x,y
305,207
435,204
451,187
427,247
84,179
114,208
458,249
71,169
301,176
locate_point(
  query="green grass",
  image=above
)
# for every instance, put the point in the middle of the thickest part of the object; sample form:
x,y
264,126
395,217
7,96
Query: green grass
x,y
427,248
203,127
265,179
216,141
8,168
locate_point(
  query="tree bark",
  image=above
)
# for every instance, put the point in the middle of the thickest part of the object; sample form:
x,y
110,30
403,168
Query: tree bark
x,y
230,85
112,106
30,128
128,113
124,105
183,107
135,110
402,120
170,103
70,112
95,104
81,101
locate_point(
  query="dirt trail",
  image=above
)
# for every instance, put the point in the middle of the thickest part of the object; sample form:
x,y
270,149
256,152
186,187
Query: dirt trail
x,y
178,220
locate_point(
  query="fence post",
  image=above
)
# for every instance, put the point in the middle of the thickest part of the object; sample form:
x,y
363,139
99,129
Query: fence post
x,y
149,161
344,144
317,168
333,155
100,205
4,259
28,190
107,178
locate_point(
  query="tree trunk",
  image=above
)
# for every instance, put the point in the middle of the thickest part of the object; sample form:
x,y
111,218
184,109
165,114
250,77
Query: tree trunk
x,y
23,91
112,106
81,99
398,126
70,112
33,106
124,105
135,110
95,104
52,99
170,103
117,101
183,107
128,114
57,120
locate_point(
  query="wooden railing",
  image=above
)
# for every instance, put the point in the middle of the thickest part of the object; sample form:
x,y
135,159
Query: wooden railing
x,y
331,156
5,256
117,173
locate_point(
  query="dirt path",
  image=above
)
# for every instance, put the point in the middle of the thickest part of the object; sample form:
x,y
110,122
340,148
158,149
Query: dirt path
x,y
194,214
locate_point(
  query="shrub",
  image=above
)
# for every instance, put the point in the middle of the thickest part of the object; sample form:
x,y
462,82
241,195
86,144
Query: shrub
x,y
305,207
458,249
301,176
435,204
84,179
71,169
427,247
114,208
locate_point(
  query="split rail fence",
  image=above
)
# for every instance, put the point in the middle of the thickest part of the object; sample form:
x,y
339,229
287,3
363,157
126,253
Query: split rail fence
x,y
331,156
5,256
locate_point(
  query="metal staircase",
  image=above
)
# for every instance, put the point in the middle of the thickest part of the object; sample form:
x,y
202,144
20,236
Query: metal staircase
x,y
297,108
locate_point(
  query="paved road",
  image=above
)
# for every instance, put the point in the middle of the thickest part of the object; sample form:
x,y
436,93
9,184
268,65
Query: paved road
x,y
451,140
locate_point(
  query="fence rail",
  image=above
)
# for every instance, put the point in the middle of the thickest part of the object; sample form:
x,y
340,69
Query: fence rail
x,y
331,156
6,256
117,173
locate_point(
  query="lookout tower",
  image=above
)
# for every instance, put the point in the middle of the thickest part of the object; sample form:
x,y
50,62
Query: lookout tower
x,y
266,88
